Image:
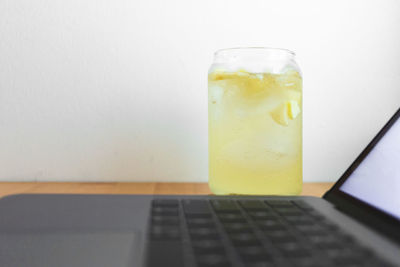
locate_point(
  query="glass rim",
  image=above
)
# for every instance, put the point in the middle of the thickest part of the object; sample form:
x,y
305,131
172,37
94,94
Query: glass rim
x,y
261,48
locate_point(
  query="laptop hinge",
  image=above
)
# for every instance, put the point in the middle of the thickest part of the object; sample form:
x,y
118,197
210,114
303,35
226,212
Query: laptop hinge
x,y
371,217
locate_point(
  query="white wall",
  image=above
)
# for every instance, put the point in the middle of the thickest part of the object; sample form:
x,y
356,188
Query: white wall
x,y
117,89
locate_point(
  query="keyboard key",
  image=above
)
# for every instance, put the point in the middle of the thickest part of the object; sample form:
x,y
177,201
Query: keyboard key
x,y
251,205
299,219
279,203
330,226
162,252
349,262
325,241
262,215
225,206
204,233
293,249
162,229
348,251
311,230
308,261
200,222
281,236
207,246
349,259
288,211
165,233
271,225
373,262
254,254
196,208
231,217
212,260
165,203
237,228
303,205
244,239
261,264
316,215
165,220
164,211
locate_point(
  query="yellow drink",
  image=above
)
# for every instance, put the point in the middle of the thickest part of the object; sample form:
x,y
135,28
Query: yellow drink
x,y
255,132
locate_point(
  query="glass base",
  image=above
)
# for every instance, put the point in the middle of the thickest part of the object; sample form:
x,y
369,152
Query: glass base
x,y
257,191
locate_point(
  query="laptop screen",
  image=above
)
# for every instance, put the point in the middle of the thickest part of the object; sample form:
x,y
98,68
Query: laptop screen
x,y
376,181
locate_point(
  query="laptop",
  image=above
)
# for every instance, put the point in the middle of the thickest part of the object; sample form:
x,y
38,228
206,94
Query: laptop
x,y
356,223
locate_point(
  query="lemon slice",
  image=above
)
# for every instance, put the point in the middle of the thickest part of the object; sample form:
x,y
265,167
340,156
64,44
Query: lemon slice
x,y
285,112
293,109
280,115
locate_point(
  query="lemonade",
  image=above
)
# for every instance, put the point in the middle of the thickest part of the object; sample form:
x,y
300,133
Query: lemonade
x,y
255,132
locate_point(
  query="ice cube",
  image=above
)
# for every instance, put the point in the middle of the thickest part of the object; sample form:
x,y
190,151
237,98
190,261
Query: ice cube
x,y
291,79
215,93
293,95
260,76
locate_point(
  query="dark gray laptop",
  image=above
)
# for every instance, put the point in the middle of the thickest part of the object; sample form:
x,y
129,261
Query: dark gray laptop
x,y
356,223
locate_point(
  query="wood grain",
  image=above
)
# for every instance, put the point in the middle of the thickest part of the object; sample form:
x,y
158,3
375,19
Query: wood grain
x,y
10,188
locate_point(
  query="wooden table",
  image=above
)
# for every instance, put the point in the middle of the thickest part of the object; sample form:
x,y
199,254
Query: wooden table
x,y
9,188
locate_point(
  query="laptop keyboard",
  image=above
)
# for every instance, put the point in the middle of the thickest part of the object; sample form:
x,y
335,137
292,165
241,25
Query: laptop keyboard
x,y
254,233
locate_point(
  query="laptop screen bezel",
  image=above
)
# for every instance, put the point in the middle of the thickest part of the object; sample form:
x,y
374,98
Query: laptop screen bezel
x,y
360,210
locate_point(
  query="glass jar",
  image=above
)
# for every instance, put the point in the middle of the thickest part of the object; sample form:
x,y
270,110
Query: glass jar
x,y
255,122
